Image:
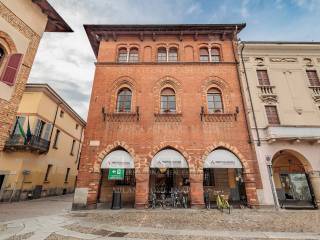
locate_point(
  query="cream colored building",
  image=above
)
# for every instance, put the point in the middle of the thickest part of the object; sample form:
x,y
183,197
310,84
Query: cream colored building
x,y
22,24
282,92
44,162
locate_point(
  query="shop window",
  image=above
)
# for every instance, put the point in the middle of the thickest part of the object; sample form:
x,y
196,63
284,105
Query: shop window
x,y
208,177
168,100
313,78
173,54
204,55
214,100
128,180
124,100
56,139
162,54
215,55
72,147
122,55
67,175
263,78
133,55
272,115
46,178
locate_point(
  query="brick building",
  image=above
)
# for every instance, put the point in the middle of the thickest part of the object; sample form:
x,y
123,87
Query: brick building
x,y
166,106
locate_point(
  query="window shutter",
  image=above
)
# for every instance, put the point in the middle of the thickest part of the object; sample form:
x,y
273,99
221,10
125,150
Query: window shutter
x,y
47,131
10,72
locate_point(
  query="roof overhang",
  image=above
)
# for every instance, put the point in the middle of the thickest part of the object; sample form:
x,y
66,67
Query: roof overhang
x,y
55,21
96,33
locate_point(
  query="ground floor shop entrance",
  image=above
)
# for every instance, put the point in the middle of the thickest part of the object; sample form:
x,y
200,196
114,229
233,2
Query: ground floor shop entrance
x,y
291,181
169,180
117,184
223,177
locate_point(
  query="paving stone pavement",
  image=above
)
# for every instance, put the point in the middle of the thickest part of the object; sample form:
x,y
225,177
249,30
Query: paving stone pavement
x,y
158,224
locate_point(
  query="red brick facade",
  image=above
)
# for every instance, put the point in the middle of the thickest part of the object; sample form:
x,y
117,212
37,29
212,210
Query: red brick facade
x,y
188,131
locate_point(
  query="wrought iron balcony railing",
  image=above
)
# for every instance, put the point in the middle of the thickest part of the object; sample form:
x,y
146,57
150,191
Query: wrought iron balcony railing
x,y
34,144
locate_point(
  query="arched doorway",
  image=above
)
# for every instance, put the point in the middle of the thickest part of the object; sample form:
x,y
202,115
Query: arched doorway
x,y
223,175
117,174
291,179
169,176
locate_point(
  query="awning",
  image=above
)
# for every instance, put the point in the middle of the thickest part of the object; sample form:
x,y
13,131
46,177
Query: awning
x,y
168,158
118,159
221,158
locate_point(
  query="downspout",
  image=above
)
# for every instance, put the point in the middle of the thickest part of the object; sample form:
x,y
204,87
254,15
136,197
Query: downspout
x,y
249,94
54,121
79,149
241,88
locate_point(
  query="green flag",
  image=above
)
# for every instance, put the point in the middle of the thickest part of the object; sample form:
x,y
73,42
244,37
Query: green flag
x,y
29,134
21,129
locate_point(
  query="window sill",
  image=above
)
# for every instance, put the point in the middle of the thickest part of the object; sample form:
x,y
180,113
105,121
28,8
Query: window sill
x,y
168,117
46,182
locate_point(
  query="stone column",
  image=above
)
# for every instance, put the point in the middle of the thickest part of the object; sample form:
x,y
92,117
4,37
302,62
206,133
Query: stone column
x,y
251,190
196,190
142,189
314,177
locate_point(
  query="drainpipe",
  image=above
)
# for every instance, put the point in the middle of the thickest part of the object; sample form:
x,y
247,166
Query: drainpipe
x,y
249,94
79,149
273,187
241,89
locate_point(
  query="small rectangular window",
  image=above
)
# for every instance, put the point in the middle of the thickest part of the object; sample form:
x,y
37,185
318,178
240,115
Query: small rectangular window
x,y
272,115
313,78
72,147
77,126
47,172
61,113
56,139
67,175
263,78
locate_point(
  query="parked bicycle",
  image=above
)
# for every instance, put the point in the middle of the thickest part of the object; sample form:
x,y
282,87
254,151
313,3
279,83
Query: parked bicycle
x,y
222,203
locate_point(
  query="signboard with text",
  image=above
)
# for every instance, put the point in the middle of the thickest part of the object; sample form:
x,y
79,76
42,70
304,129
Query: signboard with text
x,y
116,174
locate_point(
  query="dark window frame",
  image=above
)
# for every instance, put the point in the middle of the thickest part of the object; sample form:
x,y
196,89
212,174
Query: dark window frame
x,y
124,100
313,78
272,114
122,55
72,147
162,54
167,100
263,77
212,95
67,175
56,139
128,180
215,54
173,54
46,178
204,54
133,55
208,177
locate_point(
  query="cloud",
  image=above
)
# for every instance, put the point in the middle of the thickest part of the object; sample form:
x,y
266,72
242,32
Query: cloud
x,y
66,60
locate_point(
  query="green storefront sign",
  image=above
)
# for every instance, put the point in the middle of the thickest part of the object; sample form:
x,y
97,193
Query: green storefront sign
x,y
116,174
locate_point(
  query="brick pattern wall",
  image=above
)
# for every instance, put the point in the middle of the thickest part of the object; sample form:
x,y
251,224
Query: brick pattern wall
x,y
193,138
9,108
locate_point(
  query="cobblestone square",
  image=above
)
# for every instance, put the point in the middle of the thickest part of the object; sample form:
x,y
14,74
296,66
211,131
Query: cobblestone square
x,y
57,221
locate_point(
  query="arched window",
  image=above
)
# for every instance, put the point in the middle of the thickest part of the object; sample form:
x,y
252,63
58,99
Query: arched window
x,y
204,55
173,54
215,55
168,100
124,100
2,53
162,54
214,99
134,55
122,55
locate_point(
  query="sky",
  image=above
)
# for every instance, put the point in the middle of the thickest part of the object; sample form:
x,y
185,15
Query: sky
x,y
66,61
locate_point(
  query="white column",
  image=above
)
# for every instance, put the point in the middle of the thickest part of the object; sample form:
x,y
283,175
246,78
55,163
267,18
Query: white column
x,y
210,60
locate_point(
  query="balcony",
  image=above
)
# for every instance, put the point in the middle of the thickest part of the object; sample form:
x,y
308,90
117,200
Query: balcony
x,y
267,93
18,143
293,133
315,91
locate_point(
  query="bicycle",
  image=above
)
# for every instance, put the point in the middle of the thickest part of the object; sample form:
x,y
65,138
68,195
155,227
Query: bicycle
x,y
222,203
